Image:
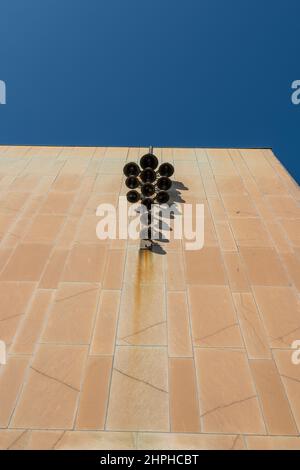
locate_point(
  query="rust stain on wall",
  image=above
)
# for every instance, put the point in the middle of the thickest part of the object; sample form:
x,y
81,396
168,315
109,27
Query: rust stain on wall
x,y
144,267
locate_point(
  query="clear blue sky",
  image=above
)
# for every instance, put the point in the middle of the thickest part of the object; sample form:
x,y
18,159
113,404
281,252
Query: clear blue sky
x,y
163,72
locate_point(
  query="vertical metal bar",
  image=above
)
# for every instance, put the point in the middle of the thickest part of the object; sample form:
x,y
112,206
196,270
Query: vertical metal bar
x,y
149,209
146,244
149,223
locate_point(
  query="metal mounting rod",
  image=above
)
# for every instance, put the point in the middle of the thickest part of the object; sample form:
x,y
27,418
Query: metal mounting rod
x,y
146,243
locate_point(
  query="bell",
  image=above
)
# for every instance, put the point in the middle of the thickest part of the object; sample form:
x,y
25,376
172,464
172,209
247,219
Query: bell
x,y
164,183
148,175
147,201
131,169
162,197
133,196
132,182
148,189
166,169
149,161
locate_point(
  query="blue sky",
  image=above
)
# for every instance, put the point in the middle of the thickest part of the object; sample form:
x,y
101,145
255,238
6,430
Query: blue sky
x,y
210,73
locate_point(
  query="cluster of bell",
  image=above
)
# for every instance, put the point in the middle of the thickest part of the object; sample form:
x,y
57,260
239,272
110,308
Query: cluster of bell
x,y
152,182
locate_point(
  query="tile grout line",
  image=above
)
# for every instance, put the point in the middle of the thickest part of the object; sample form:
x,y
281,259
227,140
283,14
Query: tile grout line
x,y
273,165
267,336
32,217
37,345
291,408
55,241
239,324
116,336
166,332
274,247
189,308
187,295
197,377
186,433
31,361
85,365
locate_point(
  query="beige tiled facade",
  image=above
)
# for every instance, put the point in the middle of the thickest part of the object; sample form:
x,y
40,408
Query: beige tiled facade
x,y
113,348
